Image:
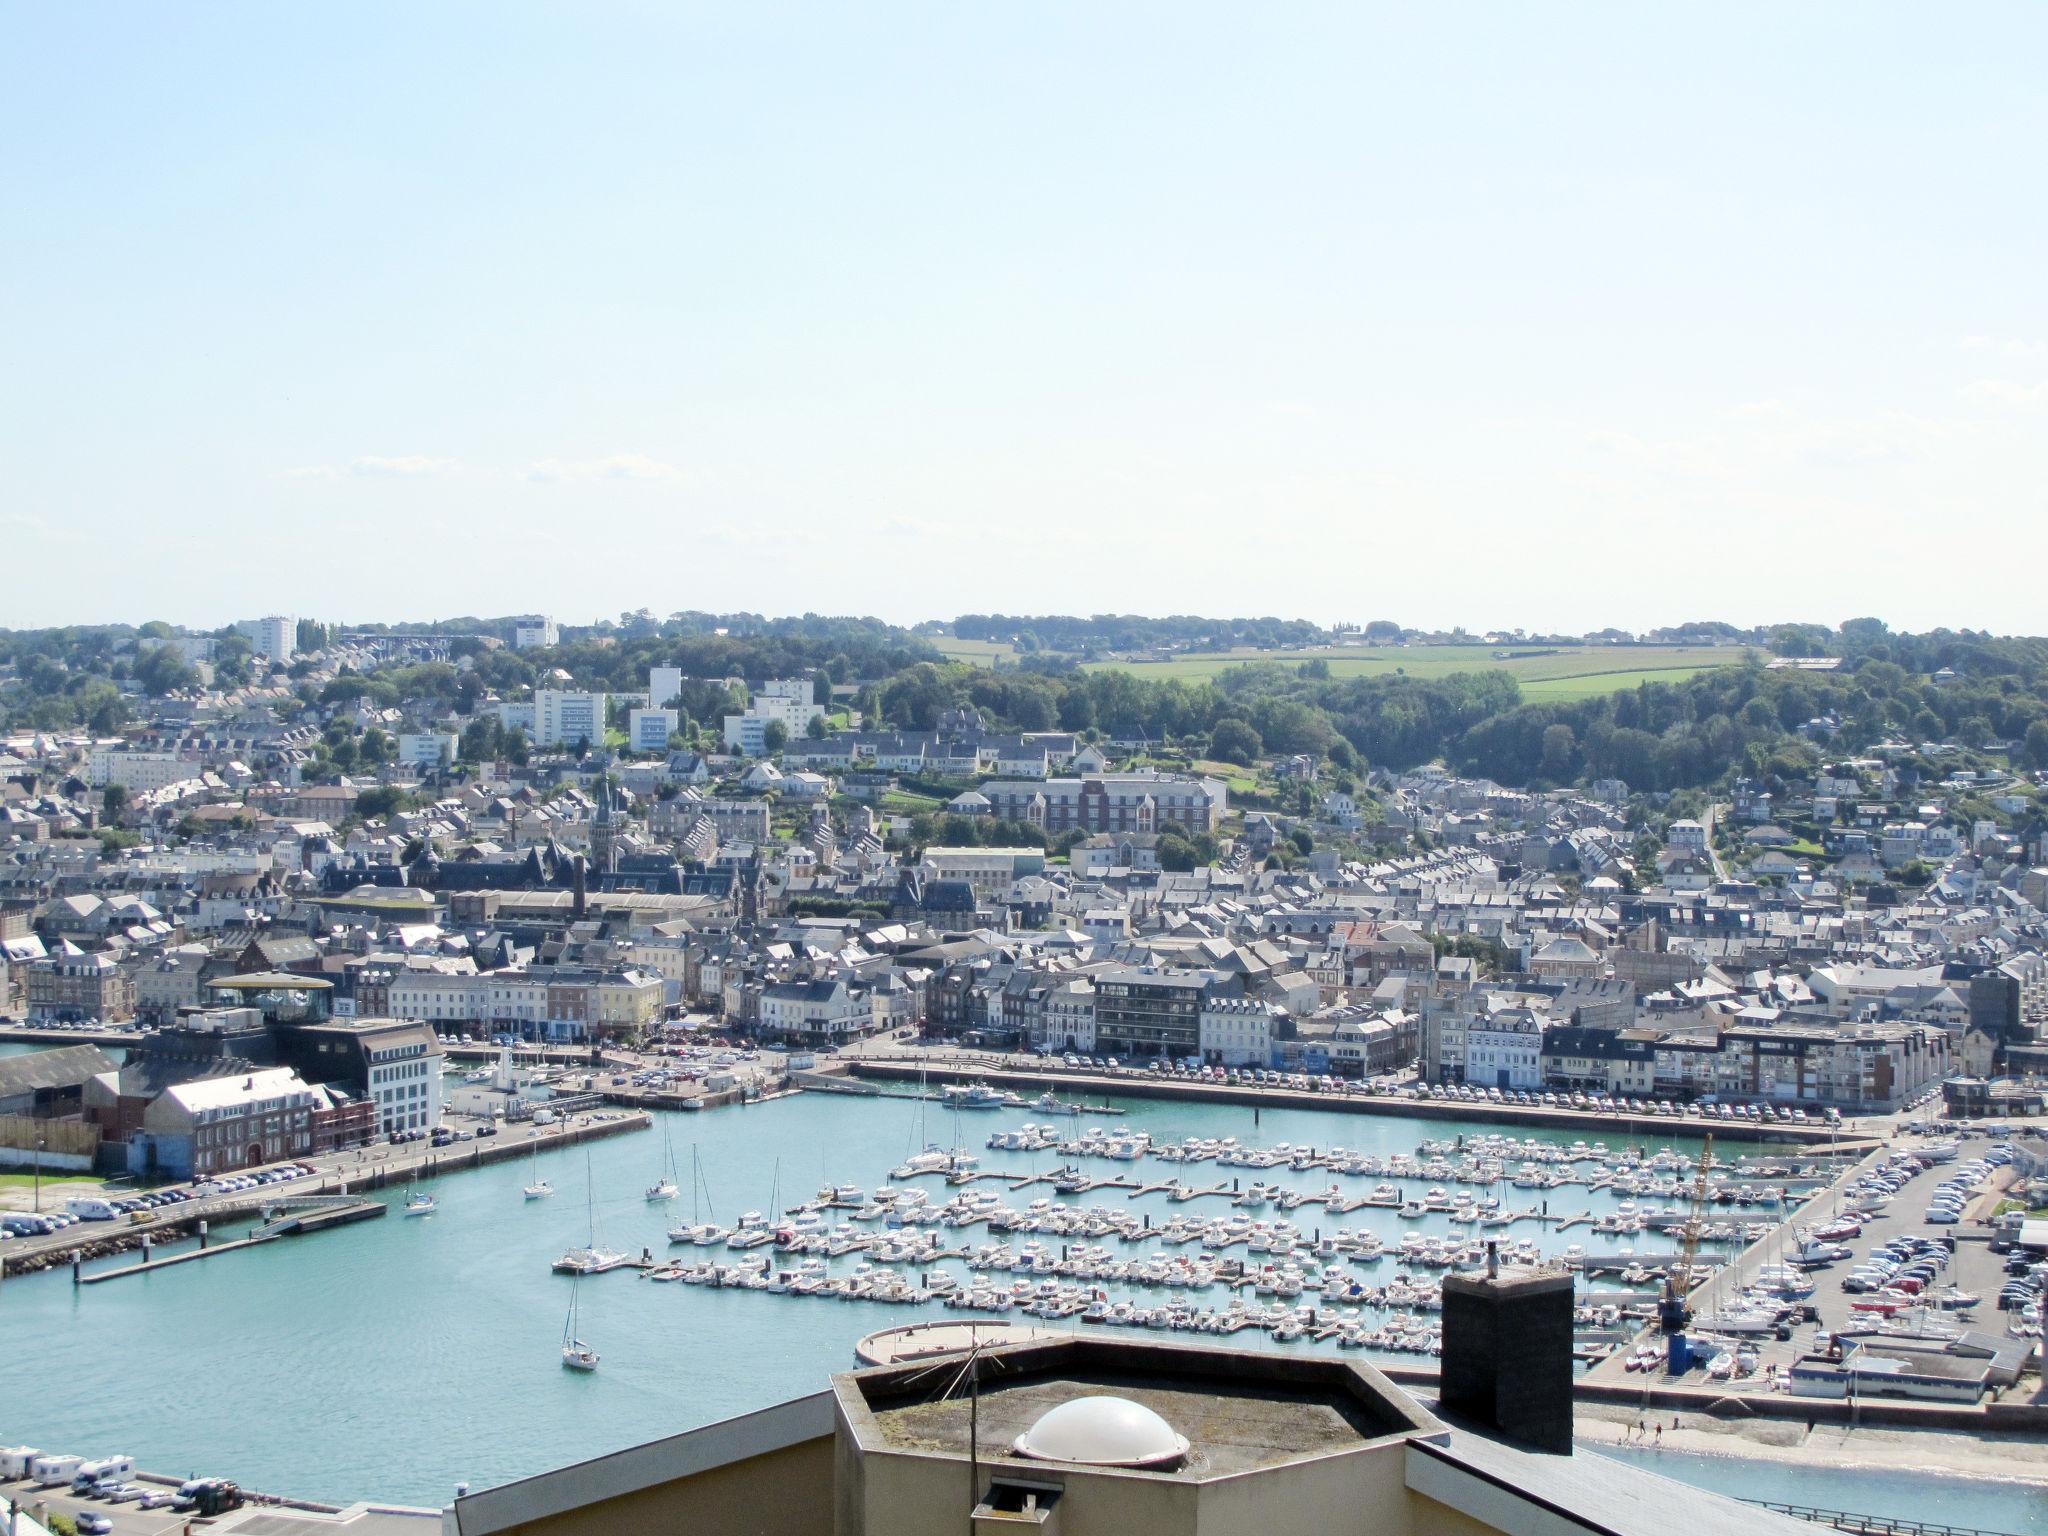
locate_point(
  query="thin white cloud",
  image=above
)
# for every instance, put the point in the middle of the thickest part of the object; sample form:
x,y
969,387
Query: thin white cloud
x,y
616,467
2002,346
408,466
2008,392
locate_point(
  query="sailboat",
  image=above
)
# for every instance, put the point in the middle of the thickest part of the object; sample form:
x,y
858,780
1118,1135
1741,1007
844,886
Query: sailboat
x,y
576,1355
590,1259
540,1188
664,1188
703,1233
418,1202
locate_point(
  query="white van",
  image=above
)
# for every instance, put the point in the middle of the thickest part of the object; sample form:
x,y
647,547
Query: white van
x,y
91,1208
54,1471
15,1460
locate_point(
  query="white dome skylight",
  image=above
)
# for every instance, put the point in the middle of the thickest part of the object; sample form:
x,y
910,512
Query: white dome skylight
x,y
1103,1432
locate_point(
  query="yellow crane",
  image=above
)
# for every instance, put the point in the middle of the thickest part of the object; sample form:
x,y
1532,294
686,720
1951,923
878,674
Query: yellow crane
x,y
1672,1313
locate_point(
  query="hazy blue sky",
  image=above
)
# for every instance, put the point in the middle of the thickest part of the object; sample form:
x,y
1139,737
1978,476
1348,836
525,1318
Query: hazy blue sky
x,y
1545,315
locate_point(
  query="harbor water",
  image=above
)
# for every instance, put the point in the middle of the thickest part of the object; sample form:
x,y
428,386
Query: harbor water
x,y
1966,1503
398,1357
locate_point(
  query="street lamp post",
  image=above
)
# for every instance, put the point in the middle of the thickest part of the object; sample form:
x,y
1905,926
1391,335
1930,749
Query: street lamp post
x,y
39,1172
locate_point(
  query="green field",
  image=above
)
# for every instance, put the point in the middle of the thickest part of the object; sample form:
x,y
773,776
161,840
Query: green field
x,y
1563,673
982,653
1563,690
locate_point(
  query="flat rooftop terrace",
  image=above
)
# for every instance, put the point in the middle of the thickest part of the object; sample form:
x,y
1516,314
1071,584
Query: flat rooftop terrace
x,y
1237,1415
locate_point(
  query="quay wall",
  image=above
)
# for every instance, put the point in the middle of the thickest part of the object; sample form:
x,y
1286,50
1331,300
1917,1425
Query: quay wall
x,y
97,1240
1142,1086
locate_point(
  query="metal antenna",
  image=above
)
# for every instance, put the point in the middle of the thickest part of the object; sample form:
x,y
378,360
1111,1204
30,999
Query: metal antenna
x,y
973,1430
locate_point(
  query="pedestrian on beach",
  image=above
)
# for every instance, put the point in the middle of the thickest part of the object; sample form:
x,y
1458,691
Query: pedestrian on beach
x,y
1660,1434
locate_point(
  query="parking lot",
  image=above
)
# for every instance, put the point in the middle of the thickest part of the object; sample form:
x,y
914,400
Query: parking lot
x,y
127,1518
1852,1293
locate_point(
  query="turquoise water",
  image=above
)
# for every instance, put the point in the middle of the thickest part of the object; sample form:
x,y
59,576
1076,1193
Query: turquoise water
x,y
25,1047
1974,1502
398,1357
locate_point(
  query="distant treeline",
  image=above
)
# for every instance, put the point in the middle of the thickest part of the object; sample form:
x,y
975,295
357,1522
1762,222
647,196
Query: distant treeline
x,y
1970,687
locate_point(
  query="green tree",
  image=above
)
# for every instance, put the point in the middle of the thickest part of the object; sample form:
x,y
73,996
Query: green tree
x,y
381,800
775,737
2036,744
1232,740
114,800
1560,752
161,670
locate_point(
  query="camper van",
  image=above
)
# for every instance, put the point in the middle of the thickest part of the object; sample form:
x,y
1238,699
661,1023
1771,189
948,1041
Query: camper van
x,y
107,1469
91,1208
15,1460
55,1471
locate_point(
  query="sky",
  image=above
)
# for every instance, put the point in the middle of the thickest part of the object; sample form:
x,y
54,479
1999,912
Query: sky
x,y
1504,315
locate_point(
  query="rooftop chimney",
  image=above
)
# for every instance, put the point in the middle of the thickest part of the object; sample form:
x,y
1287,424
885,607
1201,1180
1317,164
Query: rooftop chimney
x,y
1507,1360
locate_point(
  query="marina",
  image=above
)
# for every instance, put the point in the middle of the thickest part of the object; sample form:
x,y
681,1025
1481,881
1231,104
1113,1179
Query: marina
x,y
415,1322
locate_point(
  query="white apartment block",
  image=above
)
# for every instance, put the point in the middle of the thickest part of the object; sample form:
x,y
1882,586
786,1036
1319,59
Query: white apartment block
x,y
276,637
533,631
663,684
786,699
650,729
406,1083
747,734
426,749
556,718
138,772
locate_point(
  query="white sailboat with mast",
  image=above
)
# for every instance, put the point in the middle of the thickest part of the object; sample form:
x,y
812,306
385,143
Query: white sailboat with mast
x,y
592,1258
539,1188
703,1233
576,1355
664,1188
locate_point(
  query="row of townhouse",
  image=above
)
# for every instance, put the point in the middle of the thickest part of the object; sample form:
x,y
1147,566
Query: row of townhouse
x,y
1868,1065
1111,802
1033,755
534,1002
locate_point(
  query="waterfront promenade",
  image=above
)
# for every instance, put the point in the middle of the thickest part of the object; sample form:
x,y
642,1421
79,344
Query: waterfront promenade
x,y
1020,1075
355,1171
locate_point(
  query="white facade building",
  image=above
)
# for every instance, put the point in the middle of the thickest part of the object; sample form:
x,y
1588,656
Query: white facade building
x,y
1504,1049
1237,1032
556,718
533,631
140,772
426,749
405,1081
276,637
650,729
785,699
663,685
1067,1021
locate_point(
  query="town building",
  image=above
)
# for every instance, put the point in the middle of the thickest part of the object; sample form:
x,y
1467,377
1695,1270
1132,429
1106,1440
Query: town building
x,y
275,637
1146,1012
215,1125
1123,802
